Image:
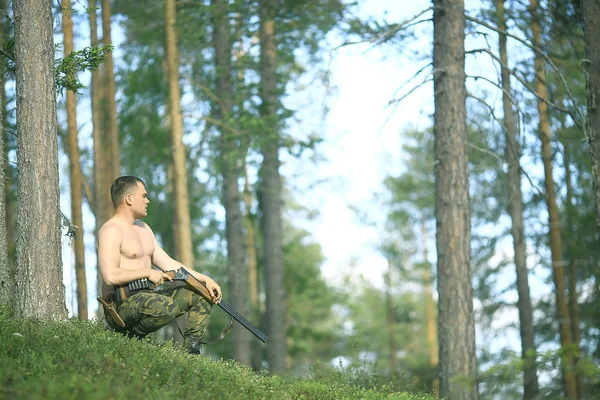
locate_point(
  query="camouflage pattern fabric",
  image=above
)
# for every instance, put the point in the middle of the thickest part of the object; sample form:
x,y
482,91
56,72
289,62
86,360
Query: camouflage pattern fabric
x,y
148,311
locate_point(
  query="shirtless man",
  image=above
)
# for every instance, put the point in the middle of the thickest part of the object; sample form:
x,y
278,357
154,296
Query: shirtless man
x,y
127,248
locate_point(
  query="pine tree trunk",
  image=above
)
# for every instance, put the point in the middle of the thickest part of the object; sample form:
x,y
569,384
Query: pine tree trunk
x,y
515,196
390,320
250,243
9,199
229,157
103,208
556,250
571,256
7,295
183,242
75,171
110,98
458,364
432,336
590,11
40,291
270,192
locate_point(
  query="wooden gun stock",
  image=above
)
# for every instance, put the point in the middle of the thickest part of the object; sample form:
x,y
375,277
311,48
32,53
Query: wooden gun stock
x,y
183,275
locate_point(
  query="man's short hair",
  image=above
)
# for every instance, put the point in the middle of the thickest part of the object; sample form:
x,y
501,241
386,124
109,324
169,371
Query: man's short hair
x,y
122,186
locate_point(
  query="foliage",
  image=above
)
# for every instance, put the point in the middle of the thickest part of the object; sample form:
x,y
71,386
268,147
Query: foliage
x,y
312,323
367,339
82,360
67,68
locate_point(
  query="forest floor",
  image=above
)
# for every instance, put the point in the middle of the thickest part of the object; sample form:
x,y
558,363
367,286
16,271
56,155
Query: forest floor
x,y
82,360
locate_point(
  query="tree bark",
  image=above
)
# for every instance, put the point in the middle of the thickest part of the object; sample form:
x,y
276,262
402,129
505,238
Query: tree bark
x,y
183,242
515,205
564,322
270,192
103,208
7,294
112,131
571,256
432,335
458,364
590,11
390,322
229,157
250,243
75,170
40,291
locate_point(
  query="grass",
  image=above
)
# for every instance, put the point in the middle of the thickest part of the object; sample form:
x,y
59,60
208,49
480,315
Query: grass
x,y
81,360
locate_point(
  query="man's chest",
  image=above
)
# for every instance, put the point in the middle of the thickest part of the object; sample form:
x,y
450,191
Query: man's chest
x,y
137,243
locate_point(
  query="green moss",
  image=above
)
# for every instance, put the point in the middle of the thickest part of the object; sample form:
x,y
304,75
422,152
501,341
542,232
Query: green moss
x,y
81,360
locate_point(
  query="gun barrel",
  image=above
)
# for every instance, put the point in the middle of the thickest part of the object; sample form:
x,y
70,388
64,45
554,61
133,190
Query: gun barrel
x,y
243,321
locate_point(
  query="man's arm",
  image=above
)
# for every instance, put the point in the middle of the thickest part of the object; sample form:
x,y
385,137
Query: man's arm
x,y
110,239
162,260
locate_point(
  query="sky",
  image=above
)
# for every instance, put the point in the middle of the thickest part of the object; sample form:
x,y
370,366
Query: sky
x,y
362,145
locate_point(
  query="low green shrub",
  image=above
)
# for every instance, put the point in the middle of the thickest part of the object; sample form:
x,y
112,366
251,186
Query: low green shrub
x,y
82,360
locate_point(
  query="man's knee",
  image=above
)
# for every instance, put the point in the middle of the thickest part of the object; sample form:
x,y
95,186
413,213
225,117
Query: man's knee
x,y
203,306
160,307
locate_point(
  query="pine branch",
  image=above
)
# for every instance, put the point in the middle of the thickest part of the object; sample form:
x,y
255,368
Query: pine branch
x,y
526,84
378,39
544,56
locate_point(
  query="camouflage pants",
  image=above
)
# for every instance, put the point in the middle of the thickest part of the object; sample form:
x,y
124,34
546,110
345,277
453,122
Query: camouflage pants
x,y
148,311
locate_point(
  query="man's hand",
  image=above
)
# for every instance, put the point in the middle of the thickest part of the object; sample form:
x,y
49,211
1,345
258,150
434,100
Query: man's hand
x,y
213,289
158,277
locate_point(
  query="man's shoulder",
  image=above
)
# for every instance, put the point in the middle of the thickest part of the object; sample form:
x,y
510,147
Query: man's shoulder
x,y
110,227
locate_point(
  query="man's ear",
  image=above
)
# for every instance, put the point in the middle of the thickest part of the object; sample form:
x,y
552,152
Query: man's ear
x,y
128,199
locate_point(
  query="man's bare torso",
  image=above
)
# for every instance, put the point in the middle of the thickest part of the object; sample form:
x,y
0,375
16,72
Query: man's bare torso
x,y
136,248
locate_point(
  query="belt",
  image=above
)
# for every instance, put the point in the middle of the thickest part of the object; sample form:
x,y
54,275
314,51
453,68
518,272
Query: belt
x,y
124,291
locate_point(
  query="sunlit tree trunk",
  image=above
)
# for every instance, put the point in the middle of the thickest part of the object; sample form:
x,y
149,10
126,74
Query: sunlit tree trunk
x,y
75,170
515,205
590,11
183,243
558,264
458,365
228,163
110,97
102,207
432,337
7,295
40,291
390,322
270,192
250,242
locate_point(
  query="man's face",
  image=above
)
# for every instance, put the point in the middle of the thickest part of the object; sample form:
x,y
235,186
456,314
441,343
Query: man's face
x,y
138,201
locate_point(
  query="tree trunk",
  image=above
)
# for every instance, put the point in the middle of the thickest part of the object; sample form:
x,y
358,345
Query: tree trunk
x,y
270,192
432,336
75,170
40,291
103,208
7,294
571,256
590,10
250,243
183,242
458,364
515,205
390,322
556,250
112,132
229,157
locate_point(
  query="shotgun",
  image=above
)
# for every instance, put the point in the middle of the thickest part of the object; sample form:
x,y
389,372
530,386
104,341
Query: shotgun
x,y
183,275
